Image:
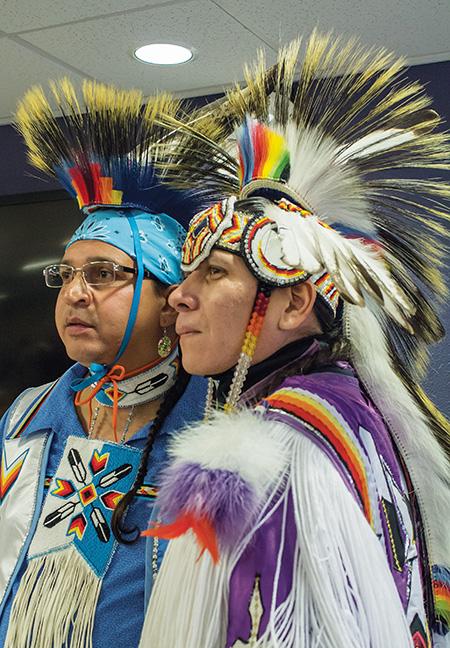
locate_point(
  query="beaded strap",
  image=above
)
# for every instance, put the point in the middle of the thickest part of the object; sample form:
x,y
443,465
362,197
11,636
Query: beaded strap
x,y
248,348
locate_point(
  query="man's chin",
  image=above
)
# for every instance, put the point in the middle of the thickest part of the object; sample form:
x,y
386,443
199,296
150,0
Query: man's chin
x,y
192,365
196,366
85,358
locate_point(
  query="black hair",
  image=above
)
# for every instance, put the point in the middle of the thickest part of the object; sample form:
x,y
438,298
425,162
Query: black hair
x,y
333,346
130,535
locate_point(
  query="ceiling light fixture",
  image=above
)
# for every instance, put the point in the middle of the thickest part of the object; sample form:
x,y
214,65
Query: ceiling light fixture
x,y
163,54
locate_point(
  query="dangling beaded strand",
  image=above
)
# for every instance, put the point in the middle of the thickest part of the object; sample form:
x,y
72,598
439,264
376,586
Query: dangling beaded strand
x,y
248,348
209,398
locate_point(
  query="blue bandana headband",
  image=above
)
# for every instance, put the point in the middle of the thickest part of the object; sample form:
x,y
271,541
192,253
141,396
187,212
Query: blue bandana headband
x,y
161,238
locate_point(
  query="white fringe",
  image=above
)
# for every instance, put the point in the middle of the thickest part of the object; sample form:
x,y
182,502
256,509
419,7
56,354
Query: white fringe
x,y
57,599
421,451
343,594
188,604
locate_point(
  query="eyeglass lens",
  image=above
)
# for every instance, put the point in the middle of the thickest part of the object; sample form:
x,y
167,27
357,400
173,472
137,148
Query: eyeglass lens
x,y
95,273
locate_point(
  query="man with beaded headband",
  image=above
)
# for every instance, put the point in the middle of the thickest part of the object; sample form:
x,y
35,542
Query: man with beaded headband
x,y
310,507
78,452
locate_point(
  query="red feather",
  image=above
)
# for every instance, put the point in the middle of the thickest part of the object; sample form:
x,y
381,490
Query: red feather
x,y
202,528
95,174
79,186
259,138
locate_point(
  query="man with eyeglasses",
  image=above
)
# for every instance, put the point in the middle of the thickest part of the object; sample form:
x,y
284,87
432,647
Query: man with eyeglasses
x,y
81,453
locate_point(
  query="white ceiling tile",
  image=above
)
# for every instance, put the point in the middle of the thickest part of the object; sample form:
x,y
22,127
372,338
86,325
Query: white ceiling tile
x,y
20,69
22,15
104,47
414,28
224,33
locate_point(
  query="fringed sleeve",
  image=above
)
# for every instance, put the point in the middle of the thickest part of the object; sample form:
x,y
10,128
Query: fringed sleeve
x,y
343,594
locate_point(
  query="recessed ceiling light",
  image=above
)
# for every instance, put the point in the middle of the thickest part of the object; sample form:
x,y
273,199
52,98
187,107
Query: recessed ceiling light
x,y
163,54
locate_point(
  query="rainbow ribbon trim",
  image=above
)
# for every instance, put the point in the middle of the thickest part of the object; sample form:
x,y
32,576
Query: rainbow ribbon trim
x,y
319,416
440,578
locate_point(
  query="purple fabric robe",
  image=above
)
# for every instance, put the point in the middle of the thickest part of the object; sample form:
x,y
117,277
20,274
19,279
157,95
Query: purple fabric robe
x,y
387,484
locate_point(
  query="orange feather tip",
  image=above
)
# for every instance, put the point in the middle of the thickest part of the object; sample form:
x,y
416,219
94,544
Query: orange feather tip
x,y
202,528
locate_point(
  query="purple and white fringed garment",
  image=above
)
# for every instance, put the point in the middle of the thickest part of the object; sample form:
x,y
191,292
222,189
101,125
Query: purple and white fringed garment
x,y
317,543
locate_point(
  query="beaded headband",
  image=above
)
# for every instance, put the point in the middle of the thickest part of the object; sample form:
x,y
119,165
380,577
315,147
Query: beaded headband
x,y
255,239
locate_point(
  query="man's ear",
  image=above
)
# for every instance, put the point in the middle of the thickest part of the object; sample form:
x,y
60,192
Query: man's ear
x,y
168,315
300,303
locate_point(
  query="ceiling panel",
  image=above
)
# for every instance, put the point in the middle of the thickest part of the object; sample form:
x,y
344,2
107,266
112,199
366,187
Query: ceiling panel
x,y
21,68
21,15
43,38
104,47
417,29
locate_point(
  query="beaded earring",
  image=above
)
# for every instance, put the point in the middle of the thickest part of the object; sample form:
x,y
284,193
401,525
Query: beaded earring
x,y
164,345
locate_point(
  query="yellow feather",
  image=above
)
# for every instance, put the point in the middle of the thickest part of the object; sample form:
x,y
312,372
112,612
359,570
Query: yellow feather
x,y
276,146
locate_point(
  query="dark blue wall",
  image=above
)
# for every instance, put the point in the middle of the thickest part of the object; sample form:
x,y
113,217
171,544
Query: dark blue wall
x,y
16,176
436,76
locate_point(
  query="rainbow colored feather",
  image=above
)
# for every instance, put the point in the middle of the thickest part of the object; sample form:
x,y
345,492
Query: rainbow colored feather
x,y
262,152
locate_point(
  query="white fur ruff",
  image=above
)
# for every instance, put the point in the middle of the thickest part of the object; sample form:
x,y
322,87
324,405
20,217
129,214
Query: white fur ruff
x,y
188,606
343,595
244,443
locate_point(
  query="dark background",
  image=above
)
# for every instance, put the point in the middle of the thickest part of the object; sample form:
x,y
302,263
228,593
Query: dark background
x,y
33,231
37,219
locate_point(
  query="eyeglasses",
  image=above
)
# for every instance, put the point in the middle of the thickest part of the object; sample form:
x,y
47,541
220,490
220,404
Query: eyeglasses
x,y
94,273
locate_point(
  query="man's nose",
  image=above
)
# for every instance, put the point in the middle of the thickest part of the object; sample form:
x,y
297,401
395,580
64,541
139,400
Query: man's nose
x,y
77,289
183,297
